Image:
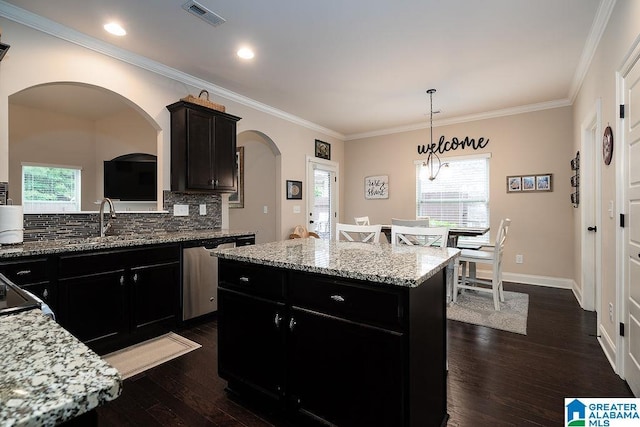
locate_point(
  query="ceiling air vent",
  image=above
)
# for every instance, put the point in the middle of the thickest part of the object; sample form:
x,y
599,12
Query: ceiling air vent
x,y
203,13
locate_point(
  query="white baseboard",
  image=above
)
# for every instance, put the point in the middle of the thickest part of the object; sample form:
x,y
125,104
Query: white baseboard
x,y
529,279
608,347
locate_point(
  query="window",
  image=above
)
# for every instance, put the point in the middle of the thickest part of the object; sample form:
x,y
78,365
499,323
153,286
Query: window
x,y
50,188
458,197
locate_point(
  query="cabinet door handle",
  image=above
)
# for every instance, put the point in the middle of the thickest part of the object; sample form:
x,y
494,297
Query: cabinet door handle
x,y
337,298
23,272
244,279
135,278
211,299
276,320
292,324
121,280
45,294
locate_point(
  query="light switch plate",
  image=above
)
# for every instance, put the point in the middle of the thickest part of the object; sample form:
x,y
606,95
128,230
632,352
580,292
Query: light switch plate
x,y
296,209
203,209
180,210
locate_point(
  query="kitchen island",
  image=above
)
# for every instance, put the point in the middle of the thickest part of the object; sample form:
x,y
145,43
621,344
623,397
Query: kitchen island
x,y
343,333
47,376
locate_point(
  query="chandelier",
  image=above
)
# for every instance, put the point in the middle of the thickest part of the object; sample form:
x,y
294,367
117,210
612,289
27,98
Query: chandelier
x,y
432,163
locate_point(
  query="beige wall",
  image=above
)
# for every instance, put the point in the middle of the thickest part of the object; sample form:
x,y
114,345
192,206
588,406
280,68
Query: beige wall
x,y
621,33
531,143
260,164
149,93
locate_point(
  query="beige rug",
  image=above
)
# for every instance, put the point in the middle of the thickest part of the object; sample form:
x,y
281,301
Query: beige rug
x,y
477,308
138,358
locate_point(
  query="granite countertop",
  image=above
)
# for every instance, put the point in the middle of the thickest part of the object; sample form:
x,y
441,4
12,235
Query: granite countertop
x,y
46,247
47,376
375,262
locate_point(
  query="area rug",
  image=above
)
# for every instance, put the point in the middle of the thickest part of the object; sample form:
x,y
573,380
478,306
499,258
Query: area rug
x,y
477,308
138,358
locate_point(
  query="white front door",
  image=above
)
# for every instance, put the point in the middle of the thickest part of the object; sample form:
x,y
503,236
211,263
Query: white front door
x,y
631,230
322,197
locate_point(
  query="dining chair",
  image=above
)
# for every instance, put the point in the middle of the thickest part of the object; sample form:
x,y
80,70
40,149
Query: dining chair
x,y
492,256
362,220
358,233
424,236
423,222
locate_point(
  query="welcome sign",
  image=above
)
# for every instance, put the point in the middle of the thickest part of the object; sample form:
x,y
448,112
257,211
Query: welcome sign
x,y
444,145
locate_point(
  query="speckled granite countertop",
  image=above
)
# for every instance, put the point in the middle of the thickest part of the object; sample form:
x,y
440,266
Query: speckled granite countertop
x,y
121,241
47,376
375,262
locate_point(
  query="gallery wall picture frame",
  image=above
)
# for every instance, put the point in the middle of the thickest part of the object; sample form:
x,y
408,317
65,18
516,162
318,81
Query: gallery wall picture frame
x,y
514,184
531,183
236,200
294,190
323,150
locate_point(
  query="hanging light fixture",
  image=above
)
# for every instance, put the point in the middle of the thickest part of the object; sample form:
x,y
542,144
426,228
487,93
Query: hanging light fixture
x,y
432,162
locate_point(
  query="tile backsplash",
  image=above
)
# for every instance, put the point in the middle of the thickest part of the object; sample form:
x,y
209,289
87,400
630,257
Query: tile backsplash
x,y
82,225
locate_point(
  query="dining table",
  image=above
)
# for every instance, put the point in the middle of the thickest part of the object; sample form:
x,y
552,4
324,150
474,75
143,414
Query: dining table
x,y
454,234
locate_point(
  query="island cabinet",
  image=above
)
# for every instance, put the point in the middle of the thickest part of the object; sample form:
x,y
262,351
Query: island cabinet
x,y
203,149
111,299
331,350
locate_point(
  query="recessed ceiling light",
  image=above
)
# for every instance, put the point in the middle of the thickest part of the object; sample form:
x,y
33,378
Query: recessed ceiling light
x,y
115,29
245,53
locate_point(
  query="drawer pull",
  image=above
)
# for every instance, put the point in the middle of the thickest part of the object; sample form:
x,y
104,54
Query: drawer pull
x,y
23,272
277,319
337,298
244,279
211,299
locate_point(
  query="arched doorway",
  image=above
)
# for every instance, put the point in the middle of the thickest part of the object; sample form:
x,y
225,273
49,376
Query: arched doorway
x,y
261,210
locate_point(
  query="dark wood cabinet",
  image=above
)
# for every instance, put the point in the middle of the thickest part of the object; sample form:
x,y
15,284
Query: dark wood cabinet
x,y
111,299
345,352
34,274
203,149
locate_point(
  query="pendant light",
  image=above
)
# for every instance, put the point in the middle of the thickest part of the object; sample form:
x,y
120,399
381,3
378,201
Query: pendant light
x,y
432,162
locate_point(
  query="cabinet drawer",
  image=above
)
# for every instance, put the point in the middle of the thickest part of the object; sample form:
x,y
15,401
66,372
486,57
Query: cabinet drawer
x,y
267,282
26,271
379,307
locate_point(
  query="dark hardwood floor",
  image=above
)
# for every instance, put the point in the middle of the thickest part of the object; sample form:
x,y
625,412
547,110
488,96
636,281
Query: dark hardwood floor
x,y
495,378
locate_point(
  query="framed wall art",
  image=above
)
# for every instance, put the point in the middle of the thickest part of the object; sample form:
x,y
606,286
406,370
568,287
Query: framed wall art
x,y
514,183
294,190
529,183
543,182
323,150
376,187
236,200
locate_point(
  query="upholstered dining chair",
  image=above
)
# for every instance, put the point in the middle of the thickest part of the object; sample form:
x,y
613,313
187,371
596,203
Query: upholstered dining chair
x,y
492,256
361,220
424,236
358,233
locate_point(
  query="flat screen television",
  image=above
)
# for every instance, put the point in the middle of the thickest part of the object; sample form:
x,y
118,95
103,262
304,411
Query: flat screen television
x,y
130,180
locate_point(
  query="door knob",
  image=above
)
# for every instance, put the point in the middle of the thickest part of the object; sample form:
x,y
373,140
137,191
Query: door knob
x,y
594,228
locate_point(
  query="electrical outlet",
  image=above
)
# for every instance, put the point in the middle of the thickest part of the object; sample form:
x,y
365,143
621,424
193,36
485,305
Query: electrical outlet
x,y
203,209
180,210
519,259
611,312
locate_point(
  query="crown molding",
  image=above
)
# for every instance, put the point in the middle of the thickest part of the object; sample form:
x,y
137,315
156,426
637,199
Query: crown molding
x,y
464,119
54,29
591,45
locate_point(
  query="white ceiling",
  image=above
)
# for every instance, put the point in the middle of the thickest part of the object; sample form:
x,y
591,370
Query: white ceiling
x,y
360,67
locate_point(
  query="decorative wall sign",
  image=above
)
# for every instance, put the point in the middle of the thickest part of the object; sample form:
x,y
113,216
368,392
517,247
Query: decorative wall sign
x,y
236,200
529,183
376,187
323,149
607,145
443,145
294,190
575,180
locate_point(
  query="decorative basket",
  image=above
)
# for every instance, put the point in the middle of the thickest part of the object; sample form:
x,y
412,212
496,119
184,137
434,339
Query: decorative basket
x,y
204,101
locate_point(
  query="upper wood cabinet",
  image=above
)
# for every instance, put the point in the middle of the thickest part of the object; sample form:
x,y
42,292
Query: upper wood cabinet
x,y
203,149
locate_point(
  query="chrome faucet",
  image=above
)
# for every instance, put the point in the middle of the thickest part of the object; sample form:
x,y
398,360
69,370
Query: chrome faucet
x,y
112,214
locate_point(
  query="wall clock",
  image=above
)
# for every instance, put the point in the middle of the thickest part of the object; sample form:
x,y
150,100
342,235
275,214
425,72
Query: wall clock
x,y
607,145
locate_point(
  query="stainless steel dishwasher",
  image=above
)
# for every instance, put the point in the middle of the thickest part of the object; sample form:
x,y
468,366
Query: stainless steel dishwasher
x,y
200,275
